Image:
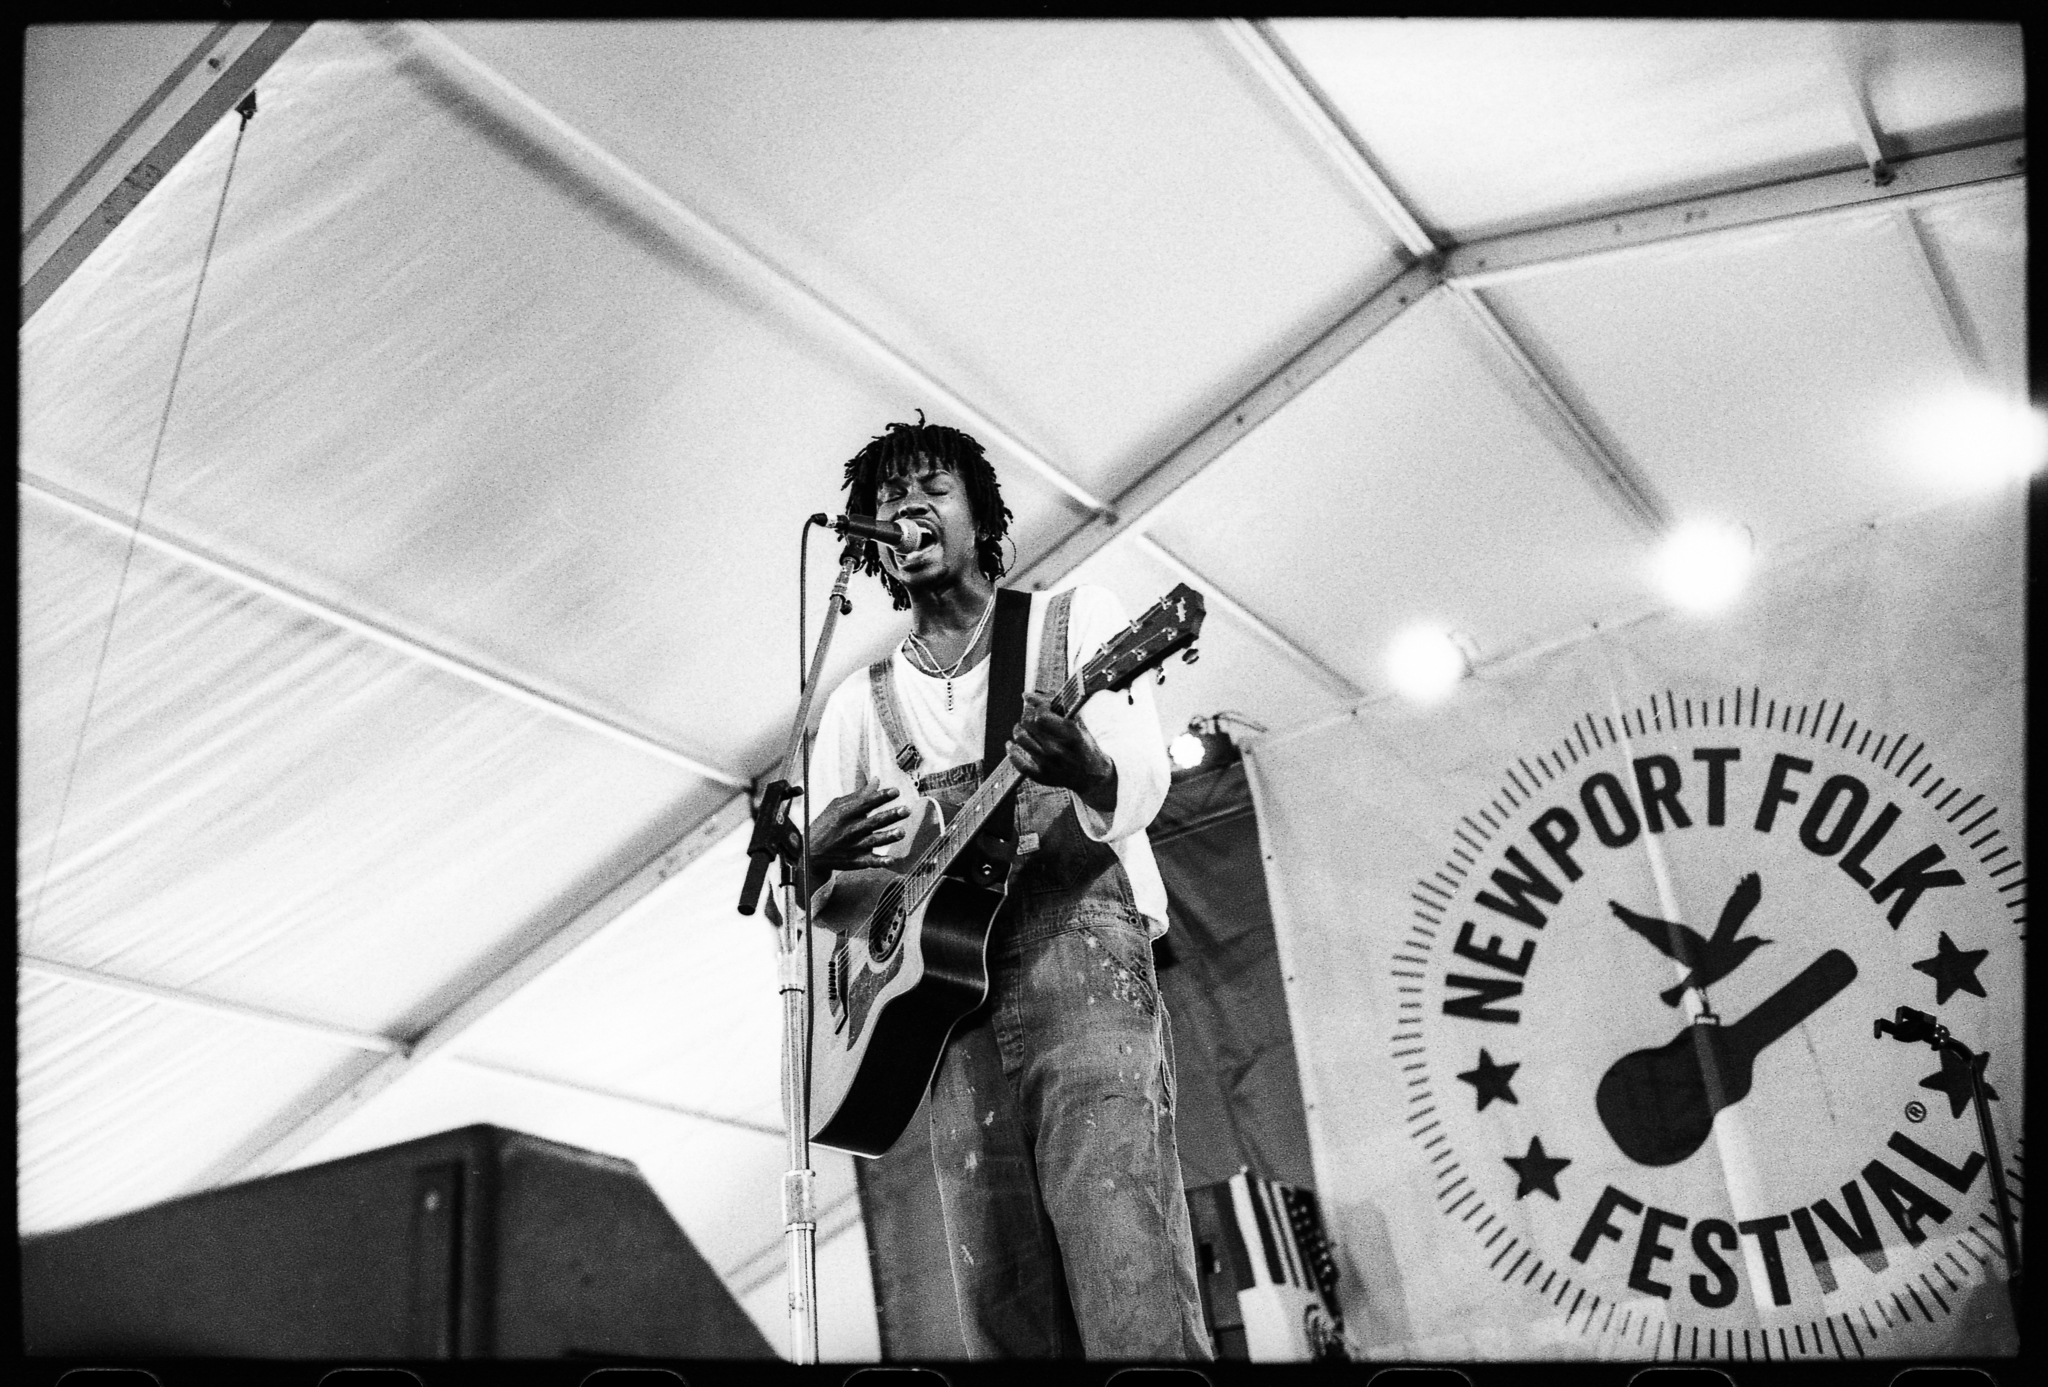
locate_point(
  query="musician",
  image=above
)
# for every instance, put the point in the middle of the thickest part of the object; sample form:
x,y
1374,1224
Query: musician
x,y
1052,1112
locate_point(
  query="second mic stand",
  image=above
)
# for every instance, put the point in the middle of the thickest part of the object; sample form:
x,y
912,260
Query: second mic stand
x,y
1910,1025
775,837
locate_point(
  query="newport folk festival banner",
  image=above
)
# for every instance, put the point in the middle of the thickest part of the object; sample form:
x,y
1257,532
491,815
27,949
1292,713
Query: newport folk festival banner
x,y
1514,1143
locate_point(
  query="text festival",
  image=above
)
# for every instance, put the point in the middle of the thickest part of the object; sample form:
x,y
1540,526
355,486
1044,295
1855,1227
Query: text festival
x,y
1895,879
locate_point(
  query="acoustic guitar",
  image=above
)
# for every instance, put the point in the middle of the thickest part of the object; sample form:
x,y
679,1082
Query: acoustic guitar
x,y
1659,1104
908,955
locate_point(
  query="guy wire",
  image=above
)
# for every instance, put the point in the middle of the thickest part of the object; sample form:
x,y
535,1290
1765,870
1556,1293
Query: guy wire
x,y
247,110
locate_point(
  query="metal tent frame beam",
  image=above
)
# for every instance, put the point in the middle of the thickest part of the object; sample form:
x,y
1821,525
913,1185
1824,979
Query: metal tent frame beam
x,y
72,504
272,1148
185,105
211,1006
1161,482
1323,673
1613,474
585,159
1920,181
615,1095
1917,181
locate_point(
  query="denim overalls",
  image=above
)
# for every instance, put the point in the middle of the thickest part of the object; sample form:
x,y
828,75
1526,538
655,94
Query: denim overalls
x,y
1052,1111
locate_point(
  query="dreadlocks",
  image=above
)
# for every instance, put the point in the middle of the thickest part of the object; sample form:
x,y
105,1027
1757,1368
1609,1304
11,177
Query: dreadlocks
x,y
901,449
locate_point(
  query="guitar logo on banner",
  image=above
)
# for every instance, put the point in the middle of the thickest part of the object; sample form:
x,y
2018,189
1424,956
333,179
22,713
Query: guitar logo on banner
x,y
1682,1137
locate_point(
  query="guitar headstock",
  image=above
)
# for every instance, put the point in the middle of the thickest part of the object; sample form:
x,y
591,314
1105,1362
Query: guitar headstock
x,y
1168,625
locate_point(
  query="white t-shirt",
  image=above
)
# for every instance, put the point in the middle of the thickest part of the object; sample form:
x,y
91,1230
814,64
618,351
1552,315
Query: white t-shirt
x,y
1126,728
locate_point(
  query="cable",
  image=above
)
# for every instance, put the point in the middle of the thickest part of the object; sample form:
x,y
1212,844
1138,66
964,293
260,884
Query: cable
x,y
802,1058
247,110
803,571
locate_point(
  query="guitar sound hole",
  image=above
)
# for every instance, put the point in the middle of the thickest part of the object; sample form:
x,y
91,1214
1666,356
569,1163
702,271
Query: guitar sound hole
x,y
883,942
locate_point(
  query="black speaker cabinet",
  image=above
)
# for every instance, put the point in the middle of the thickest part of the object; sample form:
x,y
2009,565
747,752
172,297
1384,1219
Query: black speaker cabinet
x,y
476,1243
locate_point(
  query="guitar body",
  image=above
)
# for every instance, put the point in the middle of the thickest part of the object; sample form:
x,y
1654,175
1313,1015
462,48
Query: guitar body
x,y
899,958
893,983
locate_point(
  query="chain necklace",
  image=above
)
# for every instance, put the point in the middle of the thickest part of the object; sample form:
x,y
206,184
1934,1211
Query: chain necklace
x,y
930,659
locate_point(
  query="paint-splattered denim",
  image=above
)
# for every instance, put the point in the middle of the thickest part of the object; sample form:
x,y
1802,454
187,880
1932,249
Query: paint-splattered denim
x,y
1052,1139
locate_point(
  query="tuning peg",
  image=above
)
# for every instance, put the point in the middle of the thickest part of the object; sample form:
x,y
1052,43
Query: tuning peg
x,y
1190,655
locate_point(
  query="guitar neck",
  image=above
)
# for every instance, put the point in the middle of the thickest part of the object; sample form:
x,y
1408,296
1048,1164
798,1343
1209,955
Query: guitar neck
x,y
968,819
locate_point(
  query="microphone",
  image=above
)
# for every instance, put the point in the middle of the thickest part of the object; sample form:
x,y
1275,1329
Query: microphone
x,y
902,535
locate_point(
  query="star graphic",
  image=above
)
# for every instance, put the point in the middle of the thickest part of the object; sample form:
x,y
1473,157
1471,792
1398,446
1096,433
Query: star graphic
x,y
1954,1080
1537,1171
1953,969
1491,1080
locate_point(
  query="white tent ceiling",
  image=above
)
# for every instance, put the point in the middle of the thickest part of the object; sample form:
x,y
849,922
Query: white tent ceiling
x,y
463,596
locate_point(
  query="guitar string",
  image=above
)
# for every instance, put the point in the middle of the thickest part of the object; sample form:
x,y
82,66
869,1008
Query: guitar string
x,y
947,845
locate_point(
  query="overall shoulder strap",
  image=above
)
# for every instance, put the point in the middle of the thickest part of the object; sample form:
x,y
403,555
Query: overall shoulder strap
x,y
1052,644
882,686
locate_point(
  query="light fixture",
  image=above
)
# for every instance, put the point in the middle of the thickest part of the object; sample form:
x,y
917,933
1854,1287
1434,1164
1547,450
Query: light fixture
x,y
1973,439
1425,661
1702,564
1204,745
1186,751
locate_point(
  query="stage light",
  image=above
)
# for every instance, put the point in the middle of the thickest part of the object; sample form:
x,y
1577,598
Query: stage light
x,y
1974,439
1426,661
1205,745
1702,564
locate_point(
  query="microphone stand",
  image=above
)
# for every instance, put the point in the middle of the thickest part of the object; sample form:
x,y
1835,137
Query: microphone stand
x,y
1910,1025
776,838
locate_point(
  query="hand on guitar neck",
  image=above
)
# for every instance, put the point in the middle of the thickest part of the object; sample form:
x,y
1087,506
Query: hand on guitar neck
x,y
1056,750
1047,747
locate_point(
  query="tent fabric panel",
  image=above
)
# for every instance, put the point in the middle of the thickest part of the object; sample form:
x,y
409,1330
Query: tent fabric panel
x,y
1718,364
1934,85
1613,113
1405,468
548,541
426,834
675,1002
1235,668
941,181
121,1100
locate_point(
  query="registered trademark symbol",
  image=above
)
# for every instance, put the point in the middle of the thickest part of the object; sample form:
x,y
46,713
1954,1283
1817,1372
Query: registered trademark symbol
x,y
1916,1111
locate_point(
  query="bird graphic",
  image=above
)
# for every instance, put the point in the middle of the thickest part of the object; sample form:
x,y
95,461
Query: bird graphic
x,y
1709,959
